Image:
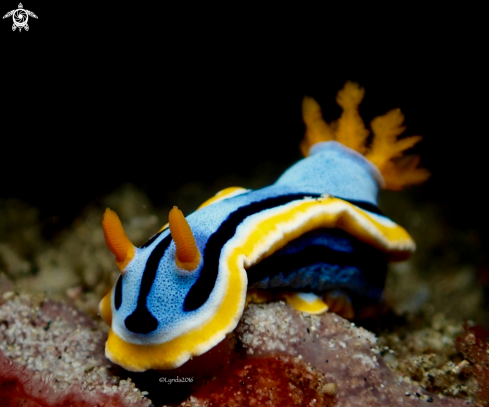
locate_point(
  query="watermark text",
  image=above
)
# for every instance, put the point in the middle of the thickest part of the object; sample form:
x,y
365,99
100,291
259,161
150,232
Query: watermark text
x,y
170,380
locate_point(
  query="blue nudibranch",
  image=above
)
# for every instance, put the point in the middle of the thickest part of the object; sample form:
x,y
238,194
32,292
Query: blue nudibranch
x,y
317,231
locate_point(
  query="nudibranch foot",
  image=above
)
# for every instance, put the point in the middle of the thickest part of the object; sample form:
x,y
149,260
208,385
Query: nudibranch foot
x,y
303,302
340,303
306,302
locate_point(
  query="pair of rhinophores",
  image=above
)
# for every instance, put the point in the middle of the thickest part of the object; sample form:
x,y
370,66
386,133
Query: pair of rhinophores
x,y
315,238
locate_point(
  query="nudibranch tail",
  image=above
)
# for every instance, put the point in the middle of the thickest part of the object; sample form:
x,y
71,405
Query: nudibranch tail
x,y
187,255
117,240
386,150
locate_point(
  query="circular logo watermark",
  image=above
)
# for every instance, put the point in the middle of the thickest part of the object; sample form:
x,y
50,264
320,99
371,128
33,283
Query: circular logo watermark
x,y
20,16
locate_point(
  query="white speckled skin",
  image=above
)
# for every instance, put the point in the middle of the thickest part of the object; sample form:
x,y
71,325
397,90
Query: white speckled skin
x,y
337,170
330,169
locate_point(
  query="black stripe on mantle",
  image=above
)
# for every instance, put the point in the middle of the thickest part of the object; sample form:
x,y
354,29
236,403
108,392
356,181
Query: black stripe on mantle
x,y
142,321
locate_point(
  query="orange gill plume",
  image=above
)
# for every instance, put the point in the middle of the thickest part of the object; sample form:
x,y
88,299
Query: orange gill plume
x,y
317,129
187,254
386,150
350,130
117,240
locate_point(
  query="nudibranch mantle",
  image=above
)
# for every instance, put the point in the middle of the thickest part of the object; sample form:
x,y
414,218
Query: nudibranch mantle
x,y
316,230
349,174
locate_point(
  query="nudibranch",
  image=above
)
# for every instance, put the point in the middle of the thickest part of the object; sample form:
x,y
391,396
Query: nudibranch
x,y
314,238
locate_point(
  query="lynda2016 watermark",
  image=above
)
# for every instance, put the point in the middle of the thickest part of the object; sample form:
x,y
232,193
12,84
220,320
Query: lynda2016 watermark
x,y
170,380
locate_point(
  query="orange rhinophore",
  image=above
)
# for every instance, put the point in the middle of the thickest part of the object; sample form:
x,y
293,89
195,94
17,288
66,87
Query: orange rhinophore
x,y
187,255
117,240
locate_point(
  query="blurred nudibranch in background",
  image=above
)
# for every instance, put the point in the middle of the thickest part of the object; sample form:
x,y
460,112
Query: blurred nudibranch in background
x,y
314,238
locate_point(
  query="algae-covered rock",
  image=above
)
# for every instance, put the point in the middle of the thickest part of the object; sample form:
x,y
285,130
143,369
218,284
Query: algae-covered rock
x,y
346,354
52,354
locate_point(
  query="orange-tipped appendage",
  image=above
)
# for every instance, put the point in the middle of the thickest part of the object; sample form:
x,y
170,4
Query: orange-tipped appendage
x,y
117,240
187,255
386,150
317,129
350,129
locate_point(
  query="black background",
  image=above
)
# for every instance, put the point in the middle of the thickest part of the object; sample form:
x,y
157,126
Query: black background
x,y
93,97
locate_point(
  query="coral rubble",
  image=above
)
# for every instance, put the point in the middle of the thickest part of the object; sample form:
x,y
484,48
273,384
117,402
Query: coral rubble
x,y
424,350
473,345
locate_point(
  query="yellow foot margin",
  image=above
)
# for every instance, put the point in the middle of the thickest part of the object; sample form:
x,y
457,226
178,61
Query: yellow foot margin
x,y
306,302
